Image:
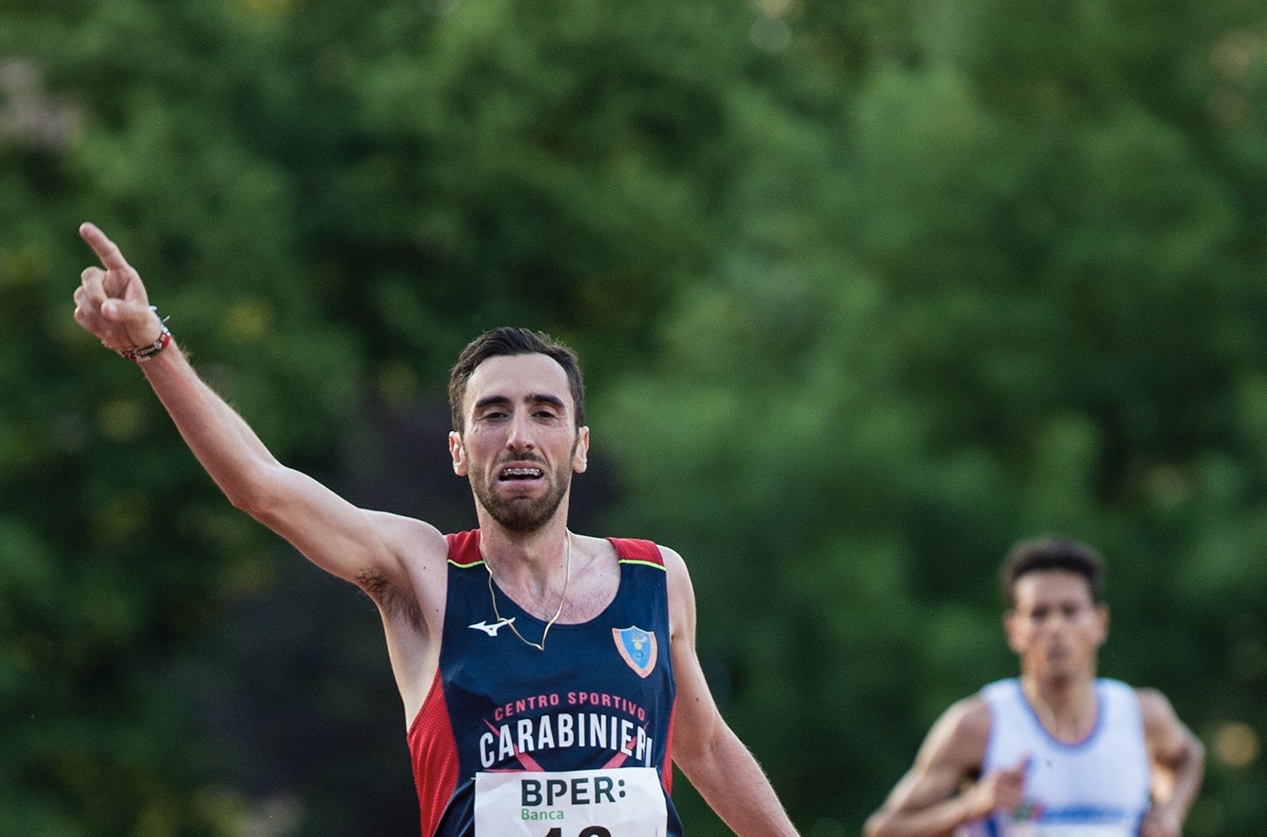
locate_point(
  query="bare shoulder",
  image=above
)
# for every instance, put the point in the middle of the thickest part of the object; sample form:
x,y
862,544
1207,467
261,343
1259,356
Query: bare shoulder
x,y
679,579
1162,728
673,562
970,715
959,736
1154,706
681,593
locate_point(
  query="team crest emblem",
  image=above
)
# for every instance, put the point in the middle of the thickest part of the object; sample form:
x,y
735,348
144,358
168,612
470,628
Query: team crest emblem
x,y
637,647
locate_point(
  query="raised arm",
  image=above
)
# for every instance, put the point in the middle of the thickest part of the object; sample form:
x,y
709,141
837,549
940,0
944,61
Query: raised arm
x,y
930,800
709,753
1178,762
367,548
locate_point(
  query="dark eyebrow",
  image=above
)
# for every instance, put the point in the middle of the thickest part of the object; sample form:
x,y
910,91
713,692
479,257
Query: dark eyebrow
x,y
503,401
552,400
490,400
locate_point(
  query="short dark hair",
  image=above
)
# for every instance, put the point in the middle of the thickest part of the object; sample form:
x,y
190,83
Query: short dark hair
x,y
1053,552
508,341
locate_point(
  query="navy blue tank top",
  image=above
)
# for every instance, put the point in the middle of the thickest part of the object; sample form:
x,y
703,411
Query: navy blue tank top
x,y
601,695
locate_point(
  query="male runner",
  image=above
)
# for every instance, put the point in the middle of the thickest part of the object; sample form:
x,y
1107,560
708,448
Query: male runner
x,y
1057,751
548,678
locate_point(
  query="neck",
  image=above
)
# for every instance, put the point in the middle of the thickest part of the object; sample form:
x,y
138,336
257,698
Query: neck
x,y
1066,707
533,562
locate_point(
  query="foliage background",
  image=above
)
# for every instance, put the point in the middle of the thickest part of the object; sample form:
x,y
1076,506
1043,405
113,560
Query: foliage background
x,y
865,293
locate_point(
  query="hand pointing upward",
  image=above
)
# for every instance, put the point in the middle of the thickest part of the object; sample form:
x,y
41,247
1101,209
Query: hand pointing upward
x,y
112,303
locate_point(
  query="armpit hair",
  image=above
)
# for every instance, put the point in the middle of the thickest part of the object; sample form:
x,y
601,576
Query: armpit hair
x,y
390,598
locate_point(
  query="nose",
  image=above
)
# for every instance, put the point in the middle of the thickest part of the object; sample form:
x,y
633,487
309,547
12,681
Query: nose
x,y
1060,624
519,432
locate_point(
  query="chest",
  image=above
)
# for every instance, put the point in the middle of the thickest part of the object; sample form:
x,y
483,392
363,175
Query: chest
x,y
1102,780
601,690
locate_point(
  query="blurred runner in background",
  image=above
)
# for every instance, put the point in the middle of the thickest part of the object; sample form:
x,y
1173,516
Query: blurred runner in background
x,y
1056,751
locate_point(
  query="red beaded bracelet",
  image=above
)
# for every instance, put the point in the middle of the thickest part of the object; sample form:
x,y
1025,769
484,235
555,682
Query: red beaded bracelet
x,y
144,353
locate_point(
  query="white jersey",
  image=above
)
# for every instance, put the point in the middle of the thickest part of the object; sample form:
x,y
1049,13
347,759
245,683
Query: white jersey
x,y
1098,787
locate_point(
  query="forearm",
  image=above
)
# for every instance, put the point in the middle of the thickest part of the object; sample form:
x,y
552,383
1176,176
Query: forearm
x,y
935,820
112,304
733,784
219,438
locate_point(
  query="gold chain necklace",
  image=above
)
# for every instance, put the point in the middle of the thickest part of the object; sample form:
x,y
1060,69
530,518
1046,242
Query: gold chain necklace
x,y
567,576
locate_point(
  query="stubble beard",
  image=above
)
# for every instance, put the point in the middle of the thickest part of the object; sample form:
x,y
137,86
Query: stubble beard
x,y
522,515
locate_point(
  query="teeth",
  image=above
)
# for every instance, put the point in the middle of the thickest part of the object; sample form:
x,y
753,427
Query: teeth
x,y
513,473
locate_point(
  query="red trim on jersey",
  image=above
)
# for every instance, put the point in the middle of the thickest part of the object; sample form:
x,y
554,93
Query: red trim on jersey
x,y
633,549
464,547
435,757
636,549
668,752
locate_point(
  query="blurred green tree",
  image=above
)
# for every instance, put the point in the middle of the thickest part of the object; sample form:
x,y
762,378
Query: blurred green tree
x,y
865,293
1013,297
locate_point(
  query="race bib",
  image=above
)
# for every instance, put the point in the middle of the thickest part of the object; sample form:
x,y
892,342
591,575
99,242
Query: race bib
x,y
625,802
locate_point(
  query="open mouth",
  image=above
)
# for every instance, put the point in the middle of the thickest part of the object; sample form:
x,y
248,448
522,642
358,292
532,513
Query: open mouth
x,y
517,474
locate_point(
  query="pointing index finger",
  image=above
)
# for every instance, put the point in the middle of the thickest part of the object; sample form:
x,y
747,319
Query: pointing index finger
x,y
103,247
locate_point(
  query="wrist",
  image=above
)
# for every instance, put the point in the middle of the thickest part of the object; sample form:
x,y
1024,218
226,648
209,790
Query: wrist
x,y
140,354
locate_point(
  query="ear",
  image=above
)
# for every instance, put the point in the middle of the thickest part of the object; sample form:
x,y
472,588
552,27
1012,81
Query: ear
x,y
458,453
1102,617
1010,630
580,454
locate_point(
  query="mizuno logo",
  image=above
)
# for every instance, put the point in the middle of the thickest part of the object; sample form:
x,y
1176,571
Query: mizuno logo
x,y
492,629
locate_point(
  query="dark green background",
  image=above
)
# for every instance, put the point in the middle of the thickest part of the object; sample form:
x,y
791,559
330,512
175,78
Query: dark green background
x,y
865,292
